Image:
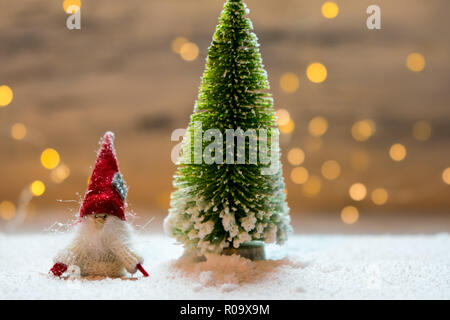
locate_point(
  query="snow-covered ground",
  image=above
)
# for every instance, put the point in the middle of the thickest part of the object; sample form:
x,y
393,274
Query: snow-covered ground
x,y
307,267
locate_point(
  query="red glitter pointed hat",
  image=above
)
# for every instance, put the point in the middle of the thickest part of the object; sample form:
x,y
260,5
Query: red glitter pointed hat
x,y
107,190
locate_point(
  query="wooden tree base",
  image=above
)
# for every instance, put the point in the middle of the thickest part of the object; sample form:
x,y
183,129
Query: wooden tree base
x,y
250,250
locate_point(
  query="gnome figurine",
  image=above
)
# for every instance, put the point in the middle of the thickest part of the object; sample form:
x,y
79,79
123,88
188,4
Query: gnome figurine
x,y
102,243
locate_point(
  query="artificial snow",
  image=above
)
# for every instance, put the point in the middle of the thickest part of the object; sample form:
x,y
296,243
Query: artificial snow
x,y
306,267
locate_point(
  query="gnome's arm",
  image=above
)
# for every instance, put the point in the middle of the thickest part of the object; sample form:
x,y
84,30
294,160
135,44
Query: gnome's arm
x,y
130,260
65,258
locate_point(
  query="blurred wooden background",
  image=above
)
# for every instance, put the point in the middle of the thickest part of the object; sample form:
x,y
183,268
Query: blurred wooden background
x,y
119,73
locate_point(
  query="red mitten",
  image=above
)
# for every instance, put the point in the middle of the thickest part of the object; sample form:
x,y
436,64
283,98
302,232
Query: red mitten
x,y
142,270
58,269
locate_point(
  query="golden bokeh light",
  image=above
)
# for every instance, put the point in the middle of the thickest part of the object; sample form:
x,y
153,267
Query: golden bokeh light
x,y
415,62
446,176
330,10
287,128
18,131
422,130
296,156
318,126
299,175
6,96
177,43
397,152
7,210
316,72
357,191
331,170
379,196
60,173
283,117
69,6
312,187
349,215
359,160
363,130
289,82
37,188
50,158
189,51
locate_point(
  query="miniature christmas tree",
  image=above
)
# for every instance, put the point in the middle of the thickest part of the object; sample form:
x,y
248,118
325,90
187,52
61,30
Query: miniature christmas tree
x,y
225,204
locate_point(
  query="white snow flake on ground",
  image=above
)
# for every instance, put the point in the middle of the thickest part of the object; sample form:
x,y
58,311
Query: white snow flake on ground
x,y
307,267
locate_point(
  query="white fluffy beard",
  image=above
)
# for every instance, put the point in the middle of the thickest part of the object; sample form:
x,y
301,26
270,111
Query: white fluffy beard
x,y
101,249
101,239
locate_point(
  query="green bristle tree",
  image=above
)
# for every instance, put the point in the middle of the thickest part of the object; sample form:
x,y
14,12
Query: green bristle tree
x,y
223,205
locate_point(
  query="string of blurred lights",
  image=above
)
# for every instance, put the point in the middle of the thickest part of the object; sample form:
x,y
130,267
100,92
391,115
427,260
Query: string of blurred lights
x,y
361,131
50,160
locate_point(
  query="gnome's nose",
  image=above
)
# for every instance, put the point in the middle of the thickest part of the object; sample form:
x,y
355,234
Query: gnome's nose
x,y
100,218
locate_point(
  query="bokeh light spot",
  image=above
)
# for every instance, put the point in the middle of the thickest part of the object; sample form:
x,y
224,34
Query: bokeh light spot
x,y
363,130
330,10
7,210
70,5
397,152
331,170
415,62
379,196
316,72
18,131
37,188
349,215
299,175
287,128
189,51
50,158
422,130
177,43
318,126
289,82
357,191
296,156
283,117
6,96
312,187
446,176
60,173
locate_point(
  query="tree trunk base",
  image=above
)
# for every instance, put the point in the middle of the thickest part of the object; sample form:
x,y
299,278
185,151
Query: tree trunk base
x,y
250,250
253,250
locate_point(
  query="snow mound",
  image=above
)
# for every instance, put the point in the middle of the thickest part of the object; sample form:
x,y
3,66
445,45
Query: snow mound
x,y
229,272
